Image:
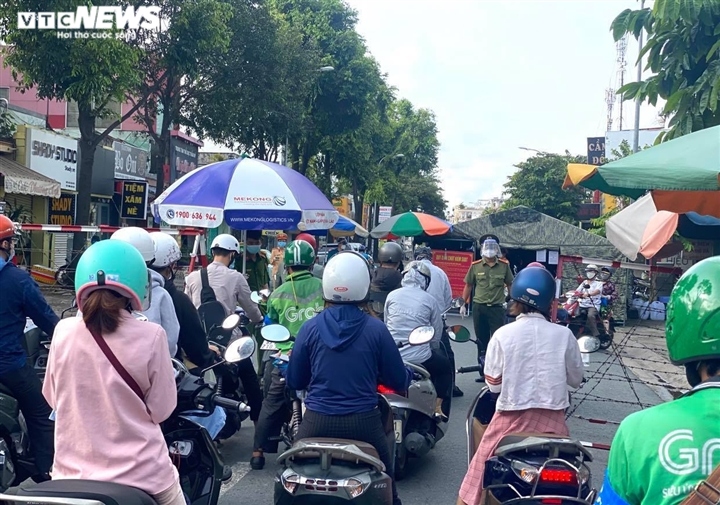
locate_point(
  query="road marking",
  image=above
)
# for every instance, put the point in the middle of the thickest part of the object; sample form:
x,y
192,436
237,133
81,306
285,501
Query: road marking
x,y
239,470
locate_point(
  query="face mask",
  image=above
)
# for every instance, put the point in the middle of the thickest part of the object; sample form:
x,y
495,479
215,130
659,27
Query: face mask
x,y
281,244
253,249
2,263
590,274
490,249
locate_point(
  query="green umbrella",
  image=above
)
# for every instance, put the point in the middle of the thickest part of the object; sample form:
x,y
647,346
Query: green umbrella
x,y
682,175
411,224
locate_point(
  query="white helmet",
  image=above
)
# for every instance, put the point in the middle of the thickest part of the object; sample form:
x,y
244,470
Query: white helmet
x,y
346,278
139,238
167,250
591,271
227,242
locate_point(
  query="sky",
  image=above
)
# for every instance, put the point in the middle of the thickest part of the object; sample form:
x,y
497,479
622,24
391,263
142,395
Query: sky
x,y
500,75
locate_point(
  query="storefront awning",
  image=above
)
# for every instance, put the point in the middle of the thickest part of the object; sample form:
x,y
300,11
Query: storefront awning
x,y
22,180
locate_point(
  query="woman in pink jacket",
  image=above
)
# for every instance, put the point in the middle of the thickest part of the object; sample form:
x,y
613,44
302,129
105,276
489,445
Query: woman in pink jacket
x,y
108,415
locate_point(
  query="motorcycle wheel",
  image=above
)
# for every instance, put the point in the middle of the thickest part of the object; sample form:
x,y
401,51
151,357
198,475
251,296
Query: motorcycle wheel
x,y
400,463
605,341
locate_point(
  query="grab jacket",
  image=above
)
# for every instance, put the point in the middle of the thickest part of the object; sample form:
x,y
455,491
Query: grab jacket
x,y
340,357
296,301
659,454
20,297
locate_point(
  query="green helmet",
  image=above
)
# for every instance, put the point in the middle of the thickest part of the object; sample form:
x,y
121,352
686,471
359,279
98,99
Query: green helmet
x,y
116,265
692,328
299,253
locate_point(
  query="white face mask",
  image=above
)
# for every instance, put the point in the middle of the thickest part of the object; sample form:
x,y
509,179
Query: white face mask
x,y
590,274
490,249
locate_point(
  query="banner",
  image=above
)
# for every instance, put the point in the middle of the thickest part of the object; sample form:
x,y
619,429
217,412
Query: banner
x,y
384,214
134,200
62,210
455,264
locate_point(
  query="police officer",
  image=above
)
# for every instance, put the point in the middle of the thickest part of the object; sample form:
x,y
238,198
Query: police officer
x,y
489,276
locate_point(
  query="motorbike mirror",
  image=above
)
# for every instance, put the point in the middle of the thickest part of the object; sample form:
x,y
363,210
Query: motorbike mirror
x,y
240,349
588,344
74,303
459,333
255,297
231,322
275,333
458,302
421,335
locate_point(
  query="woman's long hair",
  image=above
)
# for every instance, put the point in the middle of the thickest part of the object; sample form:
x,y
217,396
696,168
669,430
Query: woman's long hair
x,y
102,309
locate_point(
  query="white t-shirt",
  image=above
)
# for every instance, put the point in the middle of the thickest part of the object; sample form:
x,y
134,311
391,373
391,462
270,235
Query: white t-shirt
x,y
531,362
593,301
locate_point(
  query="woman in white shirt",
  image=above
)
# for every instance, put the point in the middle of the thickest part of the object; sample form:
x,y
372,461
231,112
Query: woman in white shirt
x,y
530,363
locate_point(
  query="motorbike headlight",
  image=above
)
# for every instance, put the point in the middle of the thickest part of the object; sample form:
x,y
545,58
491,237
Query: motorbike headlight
x,y
354,487
290,482
526,472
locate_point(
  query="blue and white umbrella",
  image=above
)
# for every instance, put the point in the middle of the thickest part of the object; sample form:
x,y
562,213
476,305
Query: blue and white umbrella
x,y
247,194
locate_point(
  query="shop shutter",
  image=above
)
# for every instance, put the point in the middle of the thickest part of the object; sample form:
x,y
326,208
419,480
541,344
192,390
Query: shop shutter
x,y
61,244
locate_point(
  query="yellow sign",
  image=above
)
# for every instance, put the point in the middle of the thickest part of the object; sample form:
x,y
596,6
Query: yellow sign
x,y
342,205
609,202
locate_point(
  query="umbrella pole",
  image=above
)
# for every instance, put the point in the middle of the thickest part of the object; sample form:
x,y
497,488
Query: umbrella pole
x,y
243,236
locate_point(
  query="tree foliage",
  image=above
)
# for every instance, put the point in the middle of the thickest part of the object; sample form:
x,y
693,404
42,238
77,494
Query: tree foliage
x,y
538,184
683,53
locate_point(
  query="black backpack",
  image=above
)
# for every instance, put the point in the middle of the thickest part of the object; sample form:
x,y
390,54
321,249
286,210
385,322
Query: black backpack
x,y
211,311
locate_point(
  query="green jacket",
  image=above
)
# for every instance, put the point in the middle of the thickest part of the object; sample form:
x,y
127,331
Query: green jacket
x,y
297,300
257,271
659,454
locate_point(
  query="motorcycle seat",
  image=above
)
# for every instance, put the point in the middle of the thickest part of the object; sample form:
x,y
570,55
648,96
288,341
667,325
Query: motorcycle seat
x,y
107,493
563,443
363,446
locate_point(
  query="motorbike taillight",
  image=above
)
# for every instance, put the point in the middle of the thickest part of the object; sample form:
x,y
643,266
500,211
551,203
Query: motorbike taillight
x,y
558,476
384,390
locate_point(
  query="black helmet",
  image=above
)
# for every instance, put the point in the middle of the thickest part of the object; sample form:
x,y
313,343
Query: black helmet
x,y
390,252
423,252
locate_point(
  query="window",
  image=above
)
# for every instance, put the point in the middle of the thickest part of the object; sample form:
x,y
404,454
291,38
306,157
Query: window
x,y
101,123
100,214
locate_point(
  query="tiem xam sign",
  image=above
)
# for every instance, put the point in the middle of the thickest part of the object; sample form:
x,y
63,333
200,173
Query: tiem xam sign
x,y
134,200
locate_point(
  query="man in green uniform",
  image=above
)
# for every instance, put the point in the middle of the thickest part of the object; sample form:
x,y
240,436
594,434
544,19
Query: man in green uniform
x,y
297,300
489,276
660,454
256,263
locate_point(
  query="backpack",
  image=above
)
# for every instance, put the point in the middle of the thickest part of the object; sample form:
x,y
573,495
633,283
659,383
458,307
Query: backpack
x,y
211,311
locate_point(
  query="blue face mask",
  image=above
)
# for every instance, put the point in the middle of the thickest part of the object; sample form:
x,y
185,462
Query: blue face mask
x,y
281,244
2,263
253,249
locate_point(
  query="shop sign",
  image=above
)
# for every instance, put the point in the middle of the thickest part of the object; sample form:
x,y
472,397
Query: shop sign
x,y
130,161
134,200
53,156
62,210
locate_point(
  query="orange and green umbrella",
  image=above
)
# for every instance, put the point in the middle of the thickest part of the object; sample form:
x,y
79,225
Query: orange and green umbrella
x,y
411,224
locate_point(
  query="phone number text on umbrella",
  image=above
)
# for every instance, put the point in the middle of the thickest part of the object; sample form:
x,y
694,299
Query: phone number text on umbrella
x,y
184,214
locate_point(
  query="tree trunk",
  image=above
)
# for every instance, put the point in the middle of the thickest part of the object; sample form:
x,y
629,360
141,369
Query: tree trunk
x,y
357,201
88,144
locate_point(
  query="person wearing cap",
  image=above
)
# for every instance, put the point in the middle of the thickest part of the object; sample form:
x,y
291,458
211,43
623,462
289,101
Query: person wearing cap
x,y
660,454
256,263
591,297
489,276
299,299
20,298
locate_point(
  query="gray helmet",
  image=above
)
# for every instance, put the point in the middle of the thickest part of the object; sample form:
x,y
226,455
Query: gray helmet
x,y
390,252
423,252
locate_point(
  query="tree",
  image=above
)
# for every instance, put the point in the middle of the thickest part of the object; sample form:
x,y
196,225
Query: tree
x,y
267,75
92,72
175,65
538,184
683,52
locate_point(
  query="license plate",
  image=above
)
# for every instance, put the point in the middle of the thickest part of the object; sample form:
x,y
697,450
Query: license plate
x,y
268,346
397,424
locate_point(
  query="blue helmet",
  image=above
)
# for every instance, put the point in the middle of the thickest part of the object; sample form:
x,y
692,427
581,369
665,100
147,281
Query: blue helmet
x,y
534,287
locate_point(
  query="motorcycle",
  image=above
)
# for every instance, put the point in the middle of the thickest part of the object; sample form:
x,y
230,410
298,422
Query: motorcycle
x,y
578,319
317,470
529,468
198,461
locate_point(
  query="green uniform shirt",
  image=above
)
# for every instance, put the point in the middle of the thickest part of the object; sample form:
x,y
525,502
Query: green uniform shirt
x,y
297,300
659,454
256,269
489,281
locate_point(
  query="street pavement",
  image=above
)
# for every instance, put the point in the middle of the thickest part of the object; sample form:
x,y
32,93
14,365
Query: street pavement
x,y
612,392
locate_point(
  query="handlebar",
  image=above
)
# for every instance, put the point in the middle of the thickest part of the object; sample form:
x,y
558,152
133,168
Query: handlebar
x,y
469,369
230,404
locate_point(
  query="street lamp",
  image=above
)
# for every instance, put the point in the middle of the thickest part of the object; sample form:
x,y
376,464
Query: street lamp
x,y
399,155
321,70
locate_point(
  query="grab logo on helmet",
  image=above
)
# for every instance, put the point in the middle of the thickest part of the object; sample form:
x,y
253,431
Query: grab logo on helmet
x,y
293,314
680,455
